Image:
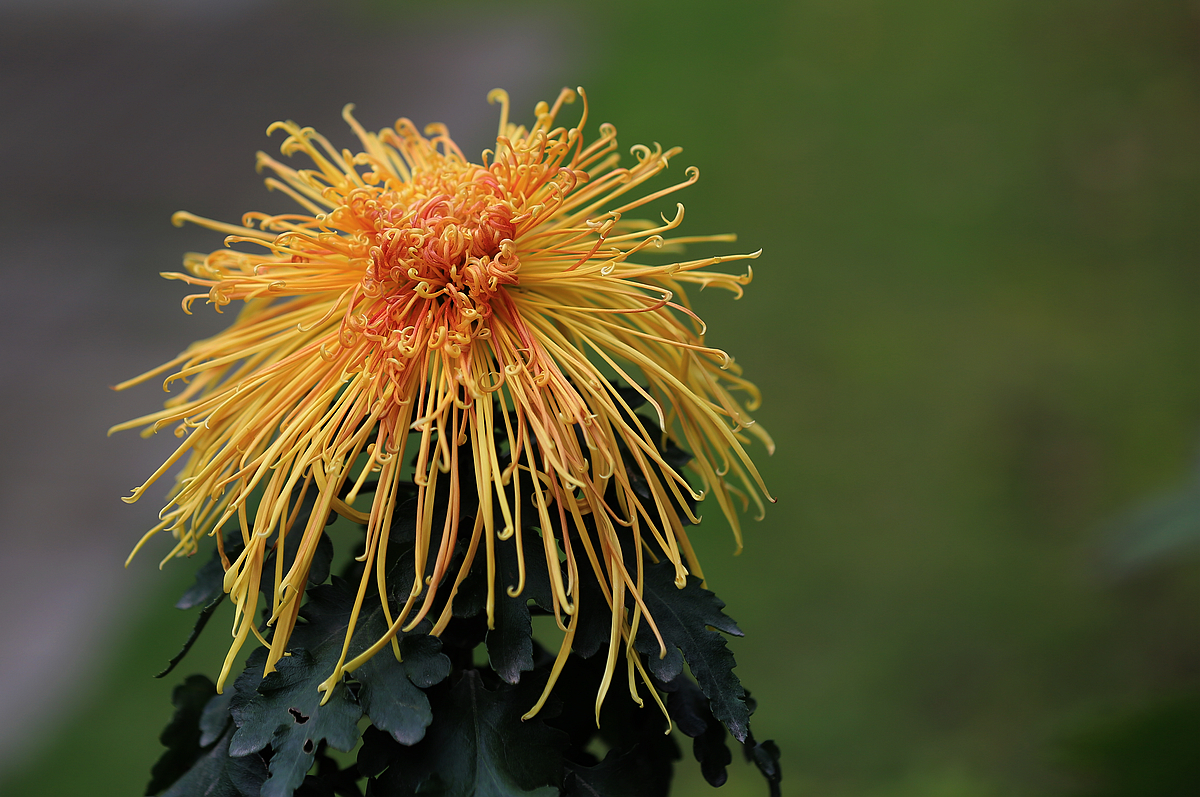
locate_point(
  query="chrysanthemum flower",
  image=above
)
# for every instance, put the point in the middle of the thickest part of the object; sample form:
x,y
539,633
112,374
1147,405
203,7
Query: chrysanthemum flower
x,y
422,308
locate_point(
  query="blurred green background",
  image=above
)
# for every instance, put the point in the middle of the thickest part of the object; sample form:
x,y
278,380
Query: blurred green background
x,y
975,328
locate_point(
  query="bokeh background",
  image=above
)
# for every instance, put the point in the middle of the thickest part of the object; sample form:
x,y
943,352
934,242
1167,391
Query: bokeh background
x,y
974,324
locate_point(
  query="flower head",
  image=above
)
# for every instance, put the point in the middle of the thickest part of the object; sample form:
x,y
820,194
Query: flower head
x,y
491,319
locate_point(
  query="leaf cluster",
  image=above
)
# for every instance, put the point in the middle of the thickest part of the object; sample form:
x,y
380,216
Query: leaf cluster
x,y
431,717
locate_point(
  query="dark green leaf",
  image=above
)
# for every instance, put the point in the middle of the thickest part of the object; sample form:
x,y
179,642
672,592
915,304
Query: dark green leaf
x,y
688,707
712,753
510,642
285,712
208,588
575,694
690,710
318,570
595,616
215,718
210,576
684,617
182,734
217,774
765,756
477,747
205,614
632,397
376,752
330,780
672,454
643,771
389,691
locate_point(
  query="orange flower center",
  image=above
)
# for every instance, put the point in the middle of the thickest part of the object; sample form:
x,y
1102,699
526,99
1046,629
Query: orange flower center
x,y
440,248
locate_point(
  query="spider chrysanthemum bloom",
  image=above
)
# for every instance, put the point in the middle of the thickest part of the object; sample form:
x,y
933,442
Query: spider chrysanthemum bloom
x,y
423,308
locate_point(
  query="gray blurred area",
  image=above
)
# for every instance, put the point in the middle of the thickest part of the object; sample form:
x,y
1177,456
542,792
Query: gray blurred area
x,y
112,116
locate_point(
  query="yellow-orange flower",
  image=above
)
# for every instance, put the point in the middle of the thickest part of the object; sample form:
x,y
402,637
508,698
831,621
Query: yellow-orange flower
x,y
425,304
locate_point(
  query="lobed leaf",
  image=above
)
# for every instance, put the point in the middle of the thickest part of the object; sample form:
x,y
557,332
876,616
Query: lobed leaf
x,y
197,761
218,774
182,734
642,771
284,711
477,746
510,641
686,618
